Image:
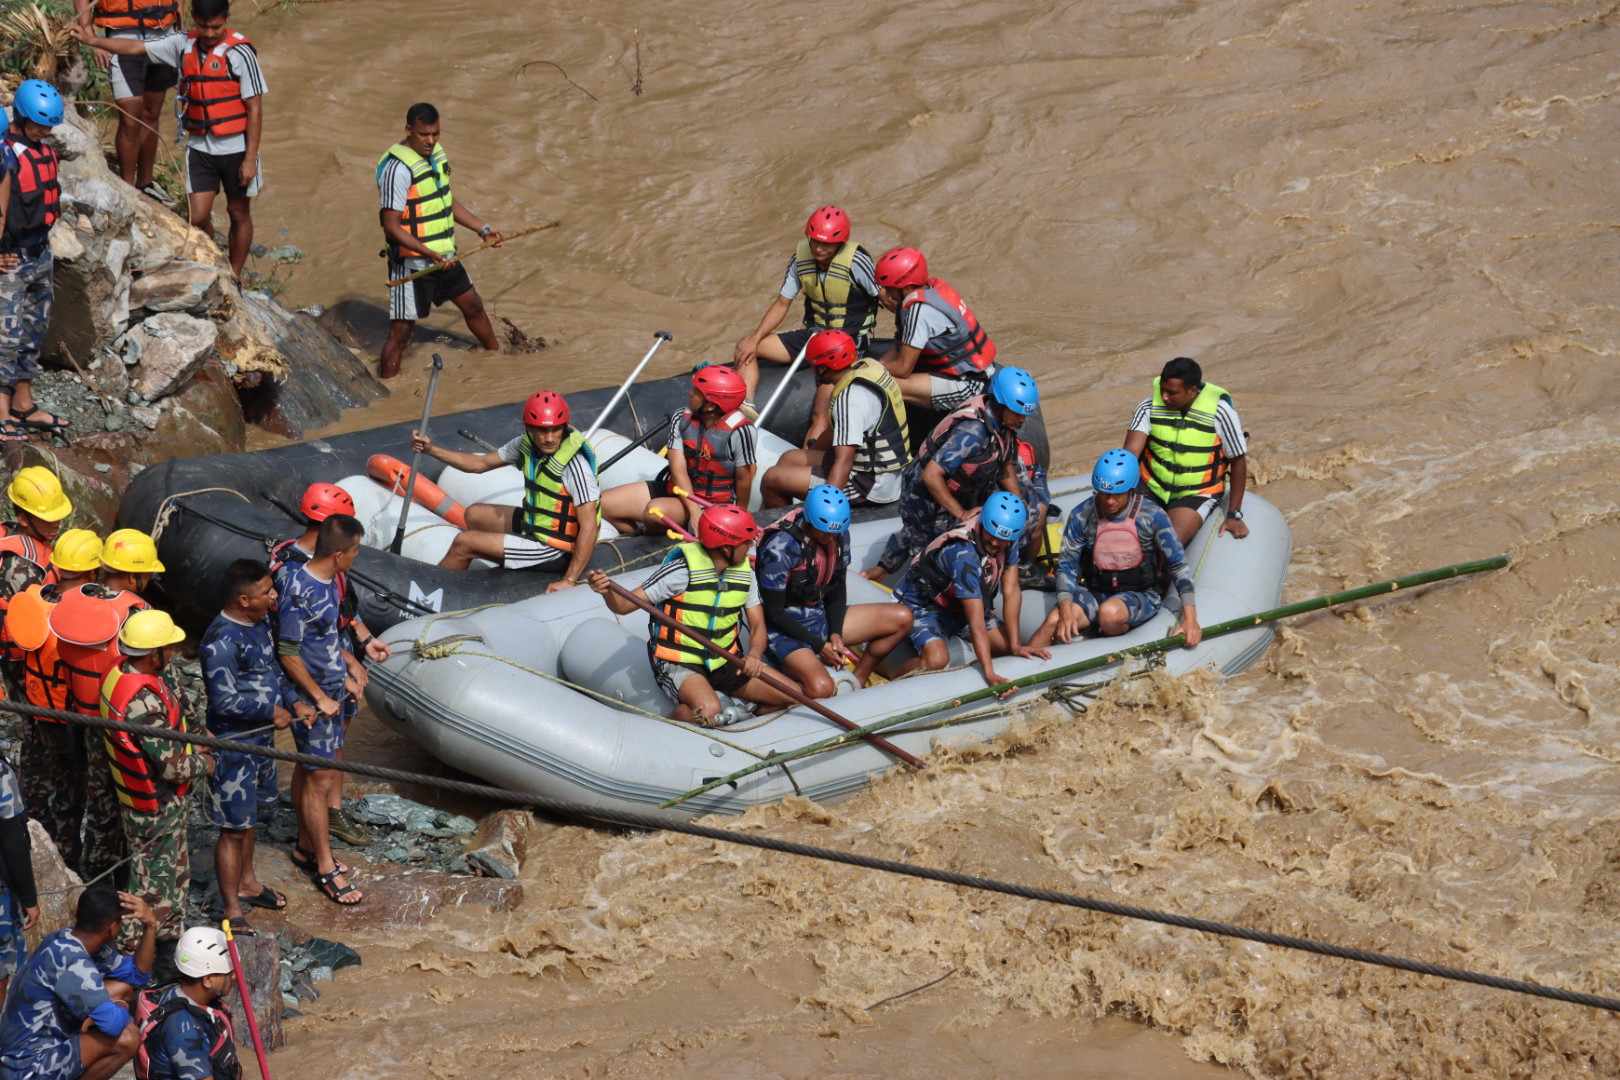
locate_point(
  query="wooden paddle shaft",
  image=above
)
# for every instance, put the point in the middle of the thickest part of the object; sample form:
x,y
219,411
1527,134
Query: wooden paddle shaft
x,y
436,267
768,676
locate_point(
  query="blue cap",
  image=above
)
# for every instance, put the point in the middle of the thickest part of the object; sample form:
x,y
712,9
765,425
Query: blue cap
x,y
1004,516
827,508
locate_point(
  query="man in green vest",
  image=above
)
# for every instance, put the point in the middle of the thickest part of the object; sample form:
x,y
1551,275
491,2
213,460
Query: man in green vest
x,y
1190,441
419,215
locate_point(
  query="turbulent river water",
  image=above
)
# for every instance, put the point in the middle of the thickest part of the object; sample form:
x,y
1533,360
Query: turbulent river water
x,y
1385,226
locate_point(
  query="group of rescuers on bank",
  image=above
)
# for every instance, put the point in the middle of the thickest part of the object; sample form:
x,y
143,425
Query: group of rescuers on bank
x,y
972,502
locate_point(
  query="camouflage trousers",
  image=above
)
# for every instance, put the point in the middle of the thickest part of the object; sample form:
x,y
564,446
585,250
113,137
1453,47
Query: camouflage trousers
x,y
921,519
104,845
25,315
159,864
53,783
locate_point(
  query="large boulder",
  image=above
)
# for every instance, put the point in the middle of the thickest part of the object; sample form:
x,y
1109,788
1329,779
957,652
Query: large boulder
x,y
181,285
166,350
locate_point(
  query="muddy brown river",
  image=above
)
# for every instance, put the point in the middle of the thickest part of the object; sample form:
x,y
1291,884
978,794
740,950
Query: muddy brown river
x,y
1388,227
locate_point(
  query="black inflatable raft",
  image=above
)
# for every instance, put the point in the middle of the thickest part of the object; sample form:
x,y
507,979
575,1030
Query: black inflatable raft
x,y
232,506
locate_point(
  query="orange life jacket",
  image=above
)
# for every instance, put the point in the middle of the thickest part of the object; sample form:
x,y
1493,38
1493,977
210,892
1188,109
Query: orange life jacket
x,y
133,779
135,15
28,640
210,98
966,349
86,659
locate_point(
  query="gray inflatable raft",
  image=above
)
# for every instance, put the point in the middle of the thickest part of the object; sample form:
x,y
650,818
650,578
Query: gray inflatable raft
x,y
488,691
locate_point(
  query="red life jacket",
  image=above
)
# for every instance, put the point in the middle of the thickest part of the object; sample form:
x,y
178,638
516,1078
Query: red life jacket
x,y
978,476
210,97
930,580
709,461
965,349
1116,562
36,195
134,15
133,778
150,1016
810,577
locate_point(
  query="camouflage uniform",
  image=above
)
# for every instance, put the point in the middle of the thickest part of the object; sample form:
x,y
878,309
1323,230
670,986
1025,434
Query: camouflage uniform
x,y
54,766
104,846
158,864
13,894
25,315
16,574
60,987
921,518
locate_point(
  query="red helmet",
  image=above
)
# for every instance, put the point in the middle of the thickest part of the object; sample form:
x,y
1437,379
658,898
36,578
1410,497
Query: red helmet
x,y
830,349
723,526
545,409
900,267
321,501
829,225
720,386
1026,454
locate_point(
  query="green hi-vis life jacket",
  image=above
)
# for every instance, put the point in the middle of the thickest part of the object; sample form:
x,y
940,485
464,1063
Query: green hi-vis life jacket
x,y
548,508
712,603
429,213
887,447
1183,454
831,300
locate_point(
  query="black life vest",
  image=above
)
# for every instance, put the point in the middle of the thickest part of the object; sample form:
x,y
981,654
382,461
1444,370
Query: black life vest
x,y
36,194
810,577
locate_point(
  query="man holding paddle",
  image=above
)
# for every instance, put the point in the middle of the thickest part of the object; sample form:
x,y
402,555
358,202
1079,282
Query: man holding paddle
x,y
419,215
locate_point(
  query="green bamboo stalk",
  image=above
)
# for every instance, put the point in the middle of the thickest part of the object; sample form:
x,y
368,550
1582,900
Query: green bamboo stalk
x,y
1231,626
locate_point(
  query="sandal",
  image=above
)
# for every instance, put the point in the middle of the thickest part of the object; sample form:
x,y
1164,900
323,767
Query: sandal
x,y
13,431
328,885
54,426
304,861
267,898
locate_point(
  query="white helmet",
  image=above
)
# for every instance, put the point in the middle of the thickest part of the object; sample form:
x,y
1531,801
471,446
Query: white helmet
x,y
202,951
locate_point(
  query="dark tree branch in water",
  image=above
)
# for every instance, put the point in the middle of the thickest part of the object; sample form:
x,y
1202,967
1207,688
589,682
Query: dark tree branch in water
x,y
563,73
635,87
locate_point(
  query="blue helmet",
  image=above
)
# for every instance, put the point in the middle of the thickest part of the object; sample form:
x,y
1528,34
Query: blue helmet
x,y
1015,388
1004,516
38,101
826,508
1115,473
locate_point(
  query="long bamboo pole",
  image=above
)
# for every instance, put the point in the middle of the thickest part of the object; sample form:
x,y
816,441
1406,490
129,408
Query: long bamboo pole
x,y
1231,626
507,239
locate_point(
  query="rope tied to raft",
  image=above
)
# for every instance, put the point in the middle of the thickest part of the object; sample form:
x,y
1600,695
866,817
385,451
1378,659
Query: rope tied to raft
x,y
171,504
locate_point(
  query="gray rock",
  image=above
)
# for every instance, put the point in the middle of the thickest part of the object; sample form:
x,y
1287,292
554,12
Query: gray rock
x,y
179,286
261,964
168,348
500,845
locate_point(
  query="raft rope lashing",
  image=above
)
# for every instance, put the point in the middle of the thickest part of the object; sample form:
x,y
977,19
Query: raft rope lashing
x,y
669,823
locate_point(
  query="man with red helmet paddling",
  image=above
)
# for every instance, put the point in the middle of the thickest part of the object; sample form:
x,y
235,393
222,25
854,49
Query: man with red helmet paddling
x,y
942,357
709,586
834,275
560,492
711,455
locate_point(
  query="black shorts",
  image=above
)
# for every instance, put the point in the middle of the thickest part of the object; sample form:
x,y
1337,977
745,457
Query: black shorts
x,y
416,299
794,340
1200,504
659,486
207,173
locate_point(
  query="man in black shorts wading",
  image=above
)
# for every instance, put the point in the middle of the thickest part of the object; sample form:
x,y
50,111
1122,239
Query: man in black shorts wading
x,y
419,215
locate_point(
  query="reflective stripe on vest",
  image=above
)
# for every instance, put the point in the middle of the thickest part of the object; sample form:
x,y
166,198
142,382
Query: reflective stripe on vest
x,y
965,349
36,194
1116,561
429,213
978,476
548,508
713,603
887,447
832,301
1183,453
149,1016
710,464
134,15
209,97
133,779
933,582
813,574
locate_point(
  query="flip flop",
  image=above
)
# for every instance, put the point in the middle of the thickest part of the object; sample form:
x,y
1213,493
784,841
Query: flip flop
x,y
267,898
55,425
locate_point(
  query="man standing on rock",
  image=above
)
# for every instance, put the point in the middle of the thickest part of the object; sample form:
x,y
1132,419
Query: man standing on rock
x,y
419,216
138,85
221,106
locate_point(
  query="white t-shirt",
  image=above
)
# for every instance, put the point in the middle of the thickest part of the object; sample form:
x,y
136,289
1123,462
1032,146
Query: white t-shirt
x,y
855,413
244,64
1227,424
860,271
578,478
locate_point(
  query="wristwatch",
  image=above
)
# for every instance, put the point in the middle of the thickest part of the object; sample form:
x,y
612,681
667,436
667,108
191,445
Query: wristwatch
x,y
1235,515
485,231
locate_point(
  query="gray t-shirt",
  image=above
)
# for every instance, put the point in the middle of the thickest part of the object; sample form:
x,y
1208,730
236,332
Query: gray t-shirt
x,y
671,579
578,477
244,64
860,270
922,323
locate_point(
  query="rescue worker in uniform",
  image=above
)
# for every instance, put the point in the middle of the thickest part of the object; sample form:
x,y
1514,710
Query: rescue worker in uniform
x,y
710,586
711,451
1190,440
941,357
1117,547
803,564
869,444
152,776
19,898
25,560
220,99
834,275
967,456
951,587
186,1033
559,518
138,84
32,197
419,213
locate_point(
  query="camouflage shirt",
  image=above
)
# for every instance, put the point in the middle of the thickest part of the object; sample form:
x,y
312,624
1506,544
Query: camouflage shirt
x,y
172,762
58,988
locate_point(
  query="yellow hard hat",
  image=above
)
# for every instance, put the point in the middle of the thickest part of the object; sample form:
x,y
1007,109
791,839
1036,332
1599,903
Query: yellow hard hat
x,y
130,551
37,491
147,630
76,551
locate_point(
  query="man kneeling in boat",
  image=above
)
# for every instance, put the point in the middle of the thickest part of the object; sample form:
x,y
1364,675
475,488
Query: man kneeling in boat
x,y
710,587
803,563
559,489
711,455
1114,545
951,586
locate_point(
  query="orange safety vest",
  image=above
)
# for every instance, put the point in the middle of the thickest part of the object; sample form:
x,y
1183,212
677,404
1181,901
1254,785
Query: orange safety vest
x,y
28,640
88,662
210,98
133,779
134,15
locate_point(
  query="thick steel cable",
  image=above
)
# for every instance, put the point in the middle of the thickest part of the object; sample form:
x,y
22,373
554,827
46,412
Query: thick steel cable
x,y
670,823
